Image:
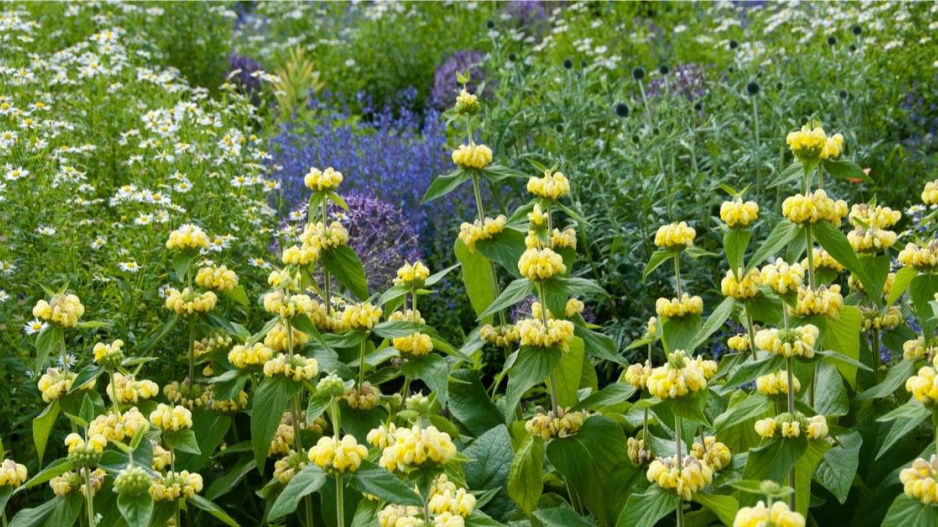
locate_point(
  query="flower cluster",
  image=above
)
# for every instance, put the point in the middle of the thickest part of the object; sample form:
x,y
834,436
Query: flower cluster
x,y
188,237
871,224
930,193
812,208
85,453
278,338
357,317
188,395
317,237
63,310
776,383
637,375
55,383
71,481
549,426
917,349
132,481
693,475
779,515
322,180
471,233
289,465
792,425
811,144
363,399
127,389
176,485
679,307
738,342
412,275
187,302
680,376
114,427
551,186
501,336
822,260
781,277
824,300
794,342
472,156
408,448
675,236
244,357
919,480
296,367
415,345
338,457
171,418
921,258
448,499
12,474
741,289
875,319
109,355
639,452
738,214
286,305
217,278
557,333
467,103
541,264
924,386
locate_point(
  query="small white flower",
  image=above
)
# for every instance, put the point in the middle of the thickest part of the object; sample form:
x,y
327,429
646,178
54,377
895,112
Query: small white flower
x,y
34,326
129,266
4,296
46,231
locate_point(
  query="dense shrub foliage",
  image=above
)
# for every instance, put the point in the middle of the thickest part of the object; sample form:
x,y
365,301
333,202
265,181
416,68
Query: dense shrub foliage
x,y
468,264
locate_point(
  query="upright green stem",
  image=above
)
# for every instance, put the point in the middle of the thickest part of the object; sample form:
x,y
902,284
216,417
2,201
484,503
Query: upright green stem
x,y
113,394
326,278
874,345
295,416
791,410
755,121
62,354
191,352
340,500
752,330
551,381
361,365
809,240
89,496
480,212
677,274
678,440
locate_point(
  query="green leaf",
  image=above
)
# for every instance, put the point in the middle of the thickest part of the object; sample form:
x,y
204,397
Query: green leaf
x,y
749,407
910,512
477,277
532,367
774,459
598,345
213,510
896,377
434,278
587,458
526,475
658,258
725,507
835,243
752,369
845,169
646,509
344,264
804,470
444,184
490,458
568,372
715,321
181,262
5,492
783,233
137,510
42,427
47,343
470,404
56,468
393,293
514,293
922,290
505,249
612,394
59,511
431,369
735,243
270,401
843,336
830,396
183,441
680,333
238,295
228,481
839,466
905,419
561,517
690,408
87,409
374,480
318,404
792,172
901,283
304,483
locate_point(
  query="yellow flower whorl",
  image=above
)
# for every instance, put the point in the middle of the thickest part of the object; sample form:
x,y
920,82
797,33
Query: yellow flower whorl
x,y
338,456
217,278
743,289
63,310
322,181
794,342
680,376
812,208
541,264
675,236
470,233
472,156
551,186
761,516
187,237
738,214
679,307
781,277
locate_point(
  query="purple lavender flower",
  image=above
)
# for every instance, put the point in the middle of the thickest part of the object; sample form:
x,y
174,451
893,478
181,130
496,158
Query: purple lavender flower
x,y
689,80
445,86
531,15
249,85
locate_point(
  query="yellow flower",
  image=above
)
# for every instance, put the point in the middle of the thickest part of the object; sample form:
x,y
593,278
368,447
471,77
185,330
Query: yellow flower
x,y
297,367
680,376
574,307
412,275
743,289
693,475
296,255
321,237
287,467
238,403
338,457
288,306
501,336
417,447
563,240
781,277
930,193
186,302
188,237
810,145
174,486
467,103
277,338
12,474
776,383
63,310
916,349
639,452
400,516
738,342
364,399
537,217
472,156
416,345
406,316
541,264
637,375
823,260
924,386
171,418
551,186
127,389
873,217
244,357
738,214
361,316
825,301
817,427
448,499
873,318
812,208
919,480
794,342
871,240
55,383
766,427
121,427
557,333
71,481
920,258
675,236
714,454
549,426
855,285
470,233
679,308
322,181
217,278
109,355
761,516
